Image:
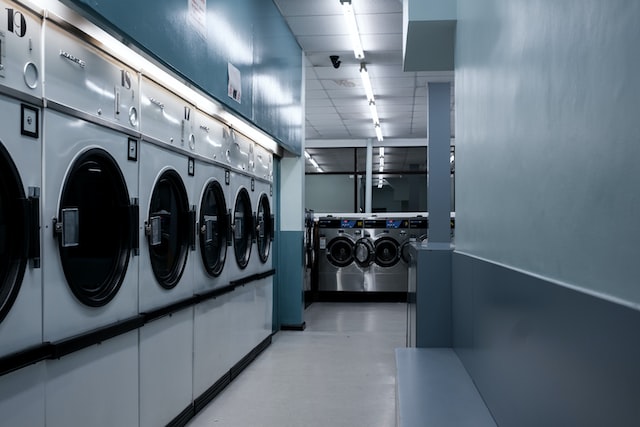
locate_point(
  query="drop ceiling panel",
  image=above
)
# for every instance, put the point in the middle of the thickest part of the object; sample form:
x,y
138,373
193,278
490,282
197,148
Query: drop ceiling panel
x,y
318,102
320,25
377,23
337,43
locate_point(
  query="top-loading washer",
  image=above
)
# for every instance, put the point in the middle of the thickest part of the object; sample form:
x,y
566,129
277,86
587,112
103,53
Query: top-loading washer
x,y
238,156
167,182
90,188
212,231
337,267
387,272
20,180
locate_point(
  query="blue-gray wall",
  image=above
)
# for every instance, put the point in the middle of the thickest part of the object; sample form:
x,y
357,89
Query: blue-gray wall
x,y
250,34
545,274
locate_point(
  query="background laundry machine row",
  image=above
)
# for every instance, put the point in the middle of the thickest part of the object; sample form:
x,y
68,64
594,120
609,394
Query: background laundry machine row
x,y
22,393
365,258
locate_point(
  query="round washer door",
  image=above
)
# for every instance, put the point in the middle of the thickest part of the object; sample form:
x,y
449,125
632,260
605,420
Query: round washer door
x,y
213,228
364,252
340,251
264,228
13,233
95,228
387,252
168,225
404,252
242,228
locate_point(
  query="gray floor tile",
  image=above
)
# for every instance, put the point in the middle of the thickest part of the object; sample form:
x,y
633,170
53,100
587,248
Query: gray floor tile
x,y
340,371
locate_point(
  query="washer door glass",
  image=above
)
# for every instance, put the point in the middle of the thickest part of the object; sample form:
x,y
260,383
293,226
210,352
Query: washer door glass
x,y
169,225
264,228
387,252
340,251
213,229
242,226
95,219
13,233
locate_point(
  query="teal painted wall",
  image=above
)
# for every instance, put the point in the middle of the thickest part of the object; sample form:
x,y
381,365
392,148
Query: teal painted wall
x,y
290,278
547,95
250,34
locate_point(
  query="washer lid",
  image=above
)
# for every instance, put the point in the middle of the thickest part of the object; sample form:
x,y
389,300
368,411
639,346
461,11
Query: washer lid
x,y
94,228
14,233
213,228
264,228
242,228
168,229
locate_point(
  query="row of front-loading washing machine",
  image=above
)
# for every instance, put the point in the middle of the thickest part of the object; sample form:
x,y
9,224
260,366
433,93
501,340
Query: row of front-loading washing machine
x,y
370,255
118,201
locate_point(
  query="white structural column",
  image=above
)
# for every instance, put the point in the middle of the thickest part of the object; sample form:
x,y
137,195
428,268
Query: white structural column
x,y
369,177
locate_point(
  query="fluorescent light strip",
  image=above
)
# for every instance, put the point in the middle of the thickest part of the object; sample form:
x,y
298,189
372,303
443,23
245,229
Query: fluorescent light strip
x,y
350,16
380,182
381,151
374,112
306,154
378,132
366,82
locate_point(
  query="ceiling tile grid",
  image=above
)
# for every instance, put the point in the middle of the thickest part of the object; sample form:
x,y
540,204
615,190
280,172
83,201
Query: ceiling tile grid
x,y
336,105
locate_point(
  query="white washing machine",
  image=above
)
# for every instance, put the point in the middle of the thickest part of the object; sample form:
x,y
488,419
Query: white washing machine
x,y
167,197
211,358
167,253
212,232
238,155
22,392
90,221
265,233
20,184
262,200
90,188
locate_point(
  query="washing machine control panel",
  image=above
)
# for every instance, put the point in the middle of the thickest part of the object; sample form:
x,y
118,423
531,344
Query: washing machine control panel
x,y
20,49
84,80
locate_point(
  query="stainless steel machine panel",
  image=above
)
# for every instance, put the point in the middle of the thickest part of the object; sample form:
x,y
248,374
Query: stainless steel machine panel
x,y
337,270
388,272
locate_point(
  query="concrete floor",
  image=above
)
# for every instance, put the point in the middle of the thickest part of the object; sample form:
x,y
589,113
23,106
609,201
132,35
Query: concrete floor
x,y
340,371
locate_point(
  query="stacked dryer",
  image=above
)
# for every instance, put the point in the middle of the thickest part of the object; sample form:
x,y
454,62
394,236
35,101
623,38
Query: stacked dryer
x,y
20,184
167,234
90,192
